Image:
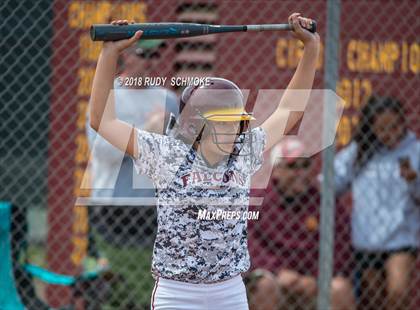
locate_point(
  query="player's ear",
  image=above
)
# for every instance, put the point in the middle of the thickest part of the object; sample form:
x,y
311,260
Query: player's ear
x,y
185,96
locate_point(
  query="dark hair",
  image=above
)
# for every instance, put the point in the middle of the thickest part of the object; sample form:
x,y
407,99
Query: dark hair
x,y
367,142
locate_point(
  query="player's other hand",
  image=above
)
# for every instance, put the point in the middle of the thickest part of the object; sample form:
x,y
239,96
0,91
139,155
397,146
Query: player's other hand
x,y
406,171
300,24
119,46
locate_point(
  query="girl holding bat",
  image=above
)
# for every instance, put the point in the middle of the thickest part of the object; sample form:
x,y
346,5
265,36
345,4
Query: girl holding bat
x,y
203,169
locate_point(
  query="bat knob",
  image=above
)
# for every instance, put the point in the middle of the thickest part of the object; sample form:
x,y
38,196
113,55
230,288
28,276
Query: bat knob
x,y
313,27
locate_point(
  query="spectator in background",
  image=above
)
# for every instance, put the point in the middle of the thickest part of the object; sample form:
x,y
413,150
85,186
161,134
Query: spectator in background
x,y
381,167
283,243
148,109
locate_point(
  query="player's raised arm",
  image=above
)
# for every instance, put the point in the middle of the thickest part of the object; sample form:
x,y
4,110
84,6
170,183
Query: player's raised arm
x,y
302,80
102,106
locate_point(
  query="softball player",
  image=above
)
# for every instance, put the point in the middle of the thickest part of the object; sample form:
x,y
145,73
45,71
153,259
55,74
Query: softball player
x,y
204,167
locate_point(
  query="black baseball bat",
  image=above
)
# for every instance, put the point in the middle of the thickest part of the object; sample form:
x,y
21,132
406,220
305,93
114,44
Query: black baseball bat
x,y
108,32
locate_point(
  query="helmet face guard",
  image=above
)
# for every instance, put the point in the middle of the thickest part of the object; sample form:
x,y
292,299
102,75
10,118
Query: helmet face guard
x,y
242,136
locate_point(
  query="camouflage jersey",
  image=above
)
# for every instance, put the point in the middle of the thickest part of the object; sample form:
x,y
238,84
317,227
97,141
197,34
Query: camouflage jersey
x,y
189,248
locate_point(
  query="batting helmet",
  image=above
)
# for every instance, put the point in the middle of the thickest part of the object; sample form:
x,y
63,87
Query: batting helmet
x,y
219,100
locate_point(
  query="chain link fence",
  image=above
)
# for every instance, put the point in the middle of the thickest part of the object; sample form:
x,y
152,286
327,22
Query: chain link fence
x,y
48,63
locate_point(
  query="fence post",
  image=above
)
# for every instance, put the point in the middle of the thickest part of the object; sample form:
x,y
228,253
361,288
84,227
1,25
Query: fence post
x,y
326,251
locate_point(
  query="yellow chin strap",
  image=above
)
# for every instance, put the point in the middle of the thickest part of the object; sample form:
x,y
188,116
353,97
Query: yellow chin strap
x,y
228,115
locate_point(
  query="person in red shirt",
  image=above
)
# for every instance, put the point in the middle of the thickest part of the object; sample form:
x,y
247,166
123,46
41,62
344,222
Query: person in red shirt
x,y
283,243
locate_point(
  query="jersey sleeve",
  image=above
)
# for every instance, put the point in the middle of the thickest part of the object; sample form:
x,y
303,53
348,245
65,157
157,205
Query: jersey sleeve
x,y
151,146
257,148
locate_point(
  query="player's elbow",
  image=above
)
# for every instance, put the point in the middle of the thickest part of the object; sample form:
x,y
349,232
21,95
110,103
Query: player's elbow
x,y
94,124
101,124
95,120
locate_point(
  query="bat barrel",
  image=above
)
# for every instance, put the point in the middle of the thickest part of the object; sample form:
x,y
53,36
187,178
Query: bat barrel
x,y
107,32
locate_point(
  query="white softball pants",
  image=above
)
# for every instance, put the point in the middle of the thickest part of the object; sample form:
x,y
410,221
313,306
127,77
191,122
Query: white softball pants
x,y
176,295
